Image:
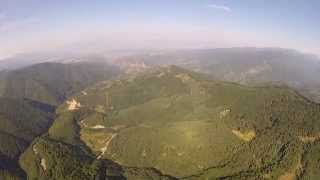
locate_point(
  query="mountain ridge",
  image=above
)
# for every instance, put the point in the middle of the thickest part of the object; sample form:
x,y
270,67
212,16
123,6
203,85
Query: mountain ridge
x,y
232,137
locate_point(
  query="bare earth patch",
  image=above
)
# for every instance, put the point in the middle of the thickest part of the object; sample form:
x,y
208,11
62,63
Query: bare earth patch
x,y
83,124
100,109
84,93
34,148
309,139
43,164
294,173
118,127
98,127
246,136
288,176
160,74
73,105
95,140
105,148
144,153
183,77
224,113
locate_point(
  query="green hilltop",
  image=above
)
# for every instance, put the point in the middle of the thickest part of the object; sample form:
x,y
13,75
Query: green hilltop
x,y
51,83
28,98
172,123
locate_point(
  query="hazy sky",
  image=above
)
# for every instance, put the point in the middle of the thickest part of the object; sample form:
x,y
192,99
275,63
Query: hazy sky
x,y
88,25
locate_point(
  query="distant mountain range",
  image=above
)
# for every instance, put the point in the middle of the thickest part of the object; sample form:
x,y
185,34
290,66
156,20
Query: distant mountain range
x,y
248,66
234,113
51,83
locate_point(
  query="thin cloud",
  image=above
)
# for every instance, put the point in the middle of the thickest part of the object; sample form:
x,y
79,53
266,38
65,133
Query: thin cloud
x,y
220,7
2,15
6,26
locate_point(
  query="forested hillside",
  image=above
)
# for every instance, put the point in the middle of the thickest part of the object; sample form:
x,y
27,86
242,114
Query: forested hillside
x,y
179,123
51,83
29,97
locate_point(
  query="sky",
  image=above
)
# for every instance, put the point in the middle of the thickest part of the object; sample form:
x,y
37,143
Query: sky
x,y
28,26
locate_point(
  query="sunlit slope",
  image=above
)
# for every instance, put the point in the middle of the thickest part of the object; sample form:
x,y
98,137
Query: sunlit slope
x,y
186,126
50,159
51,83
248,66
28,97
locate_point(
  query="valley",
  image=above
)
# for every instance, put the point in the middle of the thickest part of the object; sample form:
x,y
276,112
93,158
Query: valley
x,y
159,90
188,127
157,122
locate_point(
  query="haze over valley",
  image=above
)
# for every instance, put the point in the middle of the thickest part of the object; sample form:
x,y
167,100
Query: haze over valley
x,y
162,90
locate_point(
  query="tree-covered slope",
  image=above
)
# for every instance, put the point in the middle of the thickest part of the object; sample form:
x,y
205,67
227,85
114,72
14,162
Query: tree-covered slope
x,y
188,127
47,158
28,100
21,120
51,83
